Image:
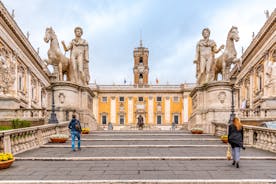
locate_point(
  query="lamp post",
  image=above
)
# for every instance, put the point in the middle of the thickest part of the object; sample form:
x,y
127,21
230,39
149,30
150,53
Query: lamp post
x,y
232,115
53,118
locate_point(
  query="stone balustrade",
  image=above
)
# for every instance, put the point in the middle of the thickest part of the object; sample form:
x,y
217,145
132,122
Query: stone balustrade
x,y
257,113
260,137
254,136
23,113
20,140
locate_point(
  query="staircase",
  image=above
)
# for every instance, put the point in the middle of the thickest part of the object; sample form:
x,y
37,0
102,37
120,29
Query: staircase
x,y
140,157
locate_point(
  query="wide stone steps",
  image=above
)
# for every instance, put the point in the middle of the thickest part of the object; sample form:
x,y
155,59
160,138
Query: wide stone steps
x,y
140,157
199,151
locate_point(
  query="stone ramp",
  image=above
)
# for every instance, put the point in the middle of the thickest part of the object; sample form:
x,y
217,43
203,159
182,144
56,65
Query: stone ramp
x,y
140,157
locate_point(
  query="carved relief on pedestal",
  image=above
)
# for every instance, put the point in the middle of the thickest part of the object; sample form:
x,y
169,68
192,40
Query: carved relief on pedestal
x,y
61,98
221,96
7,70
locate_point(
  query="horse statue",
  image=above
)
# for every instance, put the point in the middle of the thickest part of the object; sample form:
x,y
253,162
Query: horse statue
x,y
55,57
228,57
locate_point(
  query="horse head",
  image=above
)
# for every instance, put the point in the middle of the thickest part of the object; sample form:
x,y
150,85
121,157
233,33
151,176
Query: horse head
x,y
49,33
233,34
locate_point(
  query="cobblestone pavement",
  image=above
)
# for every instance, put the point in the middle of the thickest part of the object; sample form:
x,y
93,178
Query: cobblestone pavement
x,y
174,160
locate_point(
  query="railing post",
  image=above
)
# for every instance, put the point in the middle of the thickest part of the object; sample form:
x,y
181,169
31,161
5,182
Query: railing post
x,y
7,143
250,137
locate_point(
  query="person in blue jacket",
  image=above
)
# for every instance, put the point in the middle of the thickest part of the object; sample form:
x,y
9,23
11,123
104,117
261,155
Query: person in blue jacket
x,y
75,128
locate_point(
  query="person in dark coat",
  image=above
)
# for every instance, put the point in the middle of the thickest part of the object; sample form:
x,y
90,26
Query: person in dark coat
x,y
75,128
235,138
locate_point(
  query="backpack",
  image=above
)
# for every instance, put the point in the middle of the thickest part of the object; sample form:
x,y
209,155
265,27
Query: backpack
x,y
78,126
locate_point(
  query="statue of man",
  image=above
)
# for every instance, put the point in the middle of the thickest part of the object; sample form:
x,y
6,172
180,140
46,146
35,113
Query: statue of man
x,y
79,57
205,57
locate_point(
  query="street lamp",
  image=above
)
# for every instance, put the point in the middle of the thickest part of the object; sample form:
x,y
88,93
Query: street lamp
x,y
232,115
53,118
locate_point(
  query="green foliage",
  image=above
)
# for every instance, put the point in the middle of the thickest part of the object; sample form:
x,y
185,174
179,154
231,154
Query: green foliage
x,y
17,123
5,128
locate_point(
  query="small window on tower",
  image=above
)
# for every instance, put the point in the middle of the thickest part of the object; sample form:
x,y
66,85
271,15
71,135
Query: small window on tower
x,y
141,76
141,60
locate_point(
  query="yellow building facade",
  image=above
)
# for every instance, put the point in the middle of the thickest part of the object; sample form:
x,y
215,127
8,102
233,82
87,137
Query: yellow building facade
x,y
159,105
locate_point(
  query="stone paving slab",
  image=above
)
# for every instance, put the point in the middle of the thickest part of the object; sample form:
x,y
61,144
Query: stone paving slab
x,y
141,152
139,170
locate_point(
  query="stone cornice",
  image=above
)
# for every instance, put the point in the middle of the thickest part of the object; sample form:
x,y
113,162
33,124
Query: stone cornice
x,y
147,89
71,84
206,86
17,35
265,32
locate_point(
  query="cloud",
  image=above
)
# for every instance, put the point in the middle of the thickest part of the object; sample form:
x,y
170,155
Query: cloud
x,y
171,30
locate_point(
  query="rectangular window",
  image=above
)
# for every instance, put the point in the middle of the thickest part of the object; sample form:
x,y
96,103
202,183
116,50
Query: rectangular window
x,y
141,99
175,99
122,119
159,99
121,99
104,99
175,119
159,119
104,119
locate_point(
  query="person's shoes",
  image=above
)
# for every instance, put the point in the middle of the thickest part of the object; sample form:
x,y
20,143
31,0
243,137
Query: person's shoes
x,y
73,150
79,149
234,162
237,165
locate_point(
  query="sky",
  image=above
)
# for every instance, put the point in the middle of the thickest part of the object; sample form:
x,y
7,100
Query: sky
x,y
170,29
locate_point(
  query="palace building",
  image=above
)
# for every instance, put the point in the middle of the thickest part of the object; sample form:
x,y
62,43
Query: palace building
x,y
159,105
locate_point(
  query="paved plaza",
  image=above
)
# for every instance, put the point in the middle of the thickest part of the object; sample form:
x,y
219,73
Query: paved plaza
x,y
141,157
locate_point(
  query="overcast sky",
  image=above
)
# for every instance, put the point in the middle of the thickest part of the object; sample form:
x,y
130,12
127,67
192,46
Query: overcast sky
x,y
170,30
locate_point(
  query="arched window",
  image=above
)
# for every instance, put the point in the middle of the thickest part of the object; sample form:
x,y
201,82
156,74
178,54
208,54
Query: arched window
x,y
141,60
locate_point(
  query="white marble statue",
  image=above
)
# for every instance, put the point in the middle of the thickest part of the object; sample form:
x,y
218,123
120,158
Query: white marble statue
x,y
204,59
79,56
229,55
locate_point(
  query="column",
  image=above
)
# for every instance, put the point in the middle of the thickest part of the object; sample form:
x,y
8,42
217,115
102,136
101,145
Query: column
x,y
185,111
96,106
167,110
113,110
130,111
150,110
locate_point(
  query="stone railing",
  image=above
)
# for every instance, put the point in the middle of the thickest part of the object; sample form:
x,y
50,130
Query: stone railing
x,y
259,137
23,113
254,136
257,113
20,140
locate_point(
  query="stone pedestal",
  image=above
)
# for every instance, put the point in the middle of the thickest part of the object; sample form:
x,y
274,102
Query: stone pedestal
x,y
71,98
211,102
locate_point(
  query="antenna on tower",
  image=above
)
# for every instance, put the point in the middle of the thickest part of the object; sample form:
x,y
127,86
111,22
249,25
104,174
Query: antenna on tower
x,y
141,42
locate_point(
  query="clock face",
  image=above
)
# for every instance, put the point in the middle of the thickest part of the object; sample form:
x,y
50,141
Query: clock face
x,y
141,68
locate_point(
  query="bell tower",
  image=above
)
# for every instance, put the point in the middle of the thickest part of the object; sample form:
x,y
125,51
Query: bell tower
x,y
141,68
